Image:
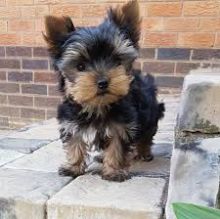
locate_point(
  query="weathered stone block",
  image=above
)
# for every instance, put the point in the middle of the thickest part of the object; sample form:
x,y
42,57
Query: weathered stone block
x,y
24,194
46,159
8,156
200,105
22,145
194,175
94,198
44,130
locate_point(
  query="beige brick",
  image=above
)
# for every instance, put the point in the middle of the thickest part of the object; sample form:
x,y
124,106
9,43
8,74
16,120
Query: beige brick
x,y
70,10
3,26
209,24
10,39
41,10
152,24
200,8
39,39
86,21
79,1
45,1
94,10
28,39
2,2
35,11
28,11
217,42
9,12
196,39
21,25
160,39
20,2
164,9
181,24
39,25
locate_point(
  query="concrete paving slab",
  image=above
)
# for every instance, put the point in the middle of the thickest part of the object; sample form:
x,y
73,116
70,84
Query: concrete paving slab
x,y
22,145
94,198
46,159
44,130
7,156
24,194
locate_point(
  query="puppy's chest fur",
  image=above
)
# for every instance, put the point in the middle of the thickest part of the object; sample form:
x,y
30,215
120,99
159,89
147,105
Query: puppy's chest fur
x,y
97,134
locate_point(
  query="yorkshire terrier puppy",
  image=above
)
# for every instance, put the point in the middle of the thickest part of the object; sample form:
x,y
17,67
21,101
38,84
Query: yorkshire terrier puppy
x,y
106,103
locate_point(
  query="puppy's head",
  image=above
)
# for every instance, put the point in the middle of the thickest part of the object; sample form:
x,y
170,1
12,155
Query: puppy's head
x,y
95,62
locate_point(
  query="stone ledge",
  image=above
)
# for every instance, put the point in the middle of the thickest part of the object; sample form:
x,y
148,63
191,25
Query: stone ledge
x,y
91,197
200,105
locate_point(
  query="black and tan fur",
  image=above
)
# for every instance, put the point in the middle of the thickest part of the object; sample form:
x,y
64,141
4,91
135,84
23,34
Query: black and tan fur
x,y
105,102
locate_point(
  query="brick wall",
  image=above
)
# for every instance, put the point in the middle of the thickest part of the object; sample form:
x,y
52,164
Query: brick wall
x,y
177,36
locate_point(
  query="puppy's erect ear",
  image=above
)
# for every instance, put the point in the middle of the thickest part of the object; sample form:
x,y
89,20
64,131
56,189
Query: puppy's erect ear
x,y
57,31
127,18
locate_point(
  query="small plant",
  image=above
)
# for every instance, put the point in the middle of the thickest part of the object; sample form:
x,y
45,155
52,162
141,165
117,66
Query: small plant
x,y
191,211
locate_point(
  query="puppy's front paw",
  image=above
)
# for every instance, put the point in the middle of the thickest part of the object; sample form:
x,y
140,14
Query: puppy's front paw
x,y
118,176
72,171
148,158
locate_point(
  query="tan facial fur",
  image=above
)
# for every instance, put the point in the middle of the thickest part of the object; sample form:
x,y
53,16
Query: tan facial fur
x,y
84,89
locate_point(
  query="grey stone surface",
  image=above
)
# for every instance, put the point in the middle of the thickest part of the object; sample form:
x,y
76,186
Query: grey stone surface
x,y
44,130
22,145
8,156
200,105
94,198
46,159
158,167
50,158
162,150
164,137
194,174
24,194
4,133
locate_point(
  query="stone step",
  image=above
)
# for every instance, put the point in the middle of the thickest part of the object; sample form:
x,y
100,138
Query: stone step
x,y
93,198
145,191
24,194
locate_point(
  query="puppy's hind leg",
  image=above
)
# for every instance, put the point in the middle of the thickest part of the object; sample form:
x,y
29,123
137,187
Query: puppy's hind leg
x,y
144,149
75,155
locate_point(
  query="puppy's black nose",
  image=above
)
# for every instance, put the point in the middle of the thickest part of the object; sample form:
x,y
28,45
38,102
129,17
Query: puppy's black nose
x,y
102,84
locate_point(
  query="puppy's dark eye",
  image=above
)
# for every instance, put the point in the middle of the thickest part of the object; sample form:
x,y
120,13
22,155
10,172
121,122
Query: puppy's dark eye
x,y
81,67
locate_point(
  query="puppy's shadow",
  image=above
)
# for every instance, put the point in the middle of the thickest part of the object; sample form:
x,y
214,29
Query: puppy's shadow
x,y
158,167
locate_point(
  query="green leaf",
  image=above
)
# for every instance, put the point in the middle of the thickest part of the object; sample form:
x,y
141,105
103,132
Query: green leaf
x,y
191,211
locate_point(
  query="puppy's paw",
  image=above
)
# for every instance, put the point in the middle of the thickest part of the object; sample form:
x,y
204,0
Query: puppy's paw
x,y
70,171
146,158
118,176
